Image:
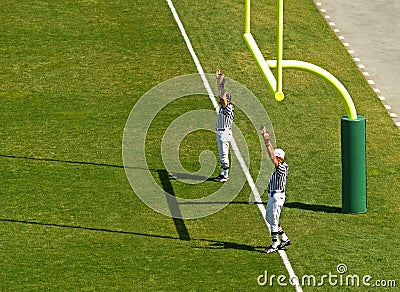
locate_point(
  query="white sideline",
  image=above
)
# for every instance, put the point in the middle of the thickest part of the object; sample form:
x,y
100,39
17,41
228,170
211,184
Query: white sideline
x,y
250,181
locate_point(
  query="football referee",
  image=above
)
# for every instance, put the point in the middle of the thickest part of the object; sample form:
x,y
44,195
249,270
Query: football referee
x,y
223,127
276,195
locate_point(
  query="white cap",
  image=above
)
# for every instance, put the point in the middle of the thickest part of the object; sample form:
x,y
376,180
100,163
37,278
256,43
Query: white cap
x,y
279,153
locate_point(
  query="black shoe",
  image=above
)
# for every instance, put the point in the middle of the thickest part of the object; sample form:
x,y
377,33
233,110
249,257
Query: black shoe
x,y
270,249
285,243
221,178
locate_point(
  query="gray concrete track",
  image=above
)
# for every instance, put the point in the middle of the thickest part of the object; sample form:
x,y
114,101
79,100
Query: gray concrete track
x,y
370,30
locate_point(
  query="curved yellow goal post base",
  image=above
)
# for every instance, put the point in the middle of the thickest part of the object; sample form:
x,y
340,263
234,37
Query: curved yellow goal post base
x,y
305,66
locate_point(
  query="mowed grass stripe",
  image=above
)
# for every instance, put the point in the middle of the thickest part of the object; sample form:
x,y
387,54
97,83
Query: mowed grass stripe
x,y
235,148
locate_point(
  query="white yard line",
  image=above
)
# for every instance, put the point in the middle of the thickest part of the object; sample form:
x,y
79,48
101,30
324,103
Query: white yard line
x,y
235,148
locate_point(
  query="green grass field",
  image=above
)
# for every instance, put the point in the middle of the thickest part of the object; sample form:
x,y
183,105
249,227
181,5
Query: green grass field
x,y
71,72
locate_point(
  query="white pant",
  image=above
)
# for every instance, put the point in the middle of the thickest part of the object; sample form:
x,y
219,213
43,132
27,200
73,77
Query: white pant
x,y
223,139
274,208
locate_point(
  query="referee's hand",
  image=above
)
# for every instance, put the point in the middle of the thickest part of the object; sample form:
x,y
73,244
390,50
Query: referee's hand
x,y
220,76
265,134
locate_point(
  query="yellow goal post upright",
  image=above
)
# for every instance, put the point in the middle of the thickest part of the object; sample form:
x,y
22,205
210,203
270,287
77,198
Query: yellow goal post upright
x,y
353,126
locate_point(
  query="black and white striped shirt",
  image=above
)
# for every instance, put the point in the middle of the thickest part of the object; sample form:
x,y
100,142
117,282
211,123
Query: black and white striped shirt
x,y
225,117
277,181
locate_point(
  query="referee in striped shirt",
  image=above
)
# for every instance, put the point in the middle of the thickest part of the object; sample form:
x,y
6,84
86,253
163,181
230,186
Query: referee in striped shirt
x,y
276,195
223,129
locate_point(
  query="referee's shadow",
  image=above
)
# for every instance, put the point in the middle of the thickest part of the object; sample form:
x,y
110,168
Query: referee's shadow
x,y
313,207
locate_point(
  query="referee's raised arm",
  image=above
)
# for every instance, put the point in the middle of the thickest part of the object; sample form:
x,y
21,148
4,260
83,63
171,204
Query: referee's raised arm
x,y
221,82
270,148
